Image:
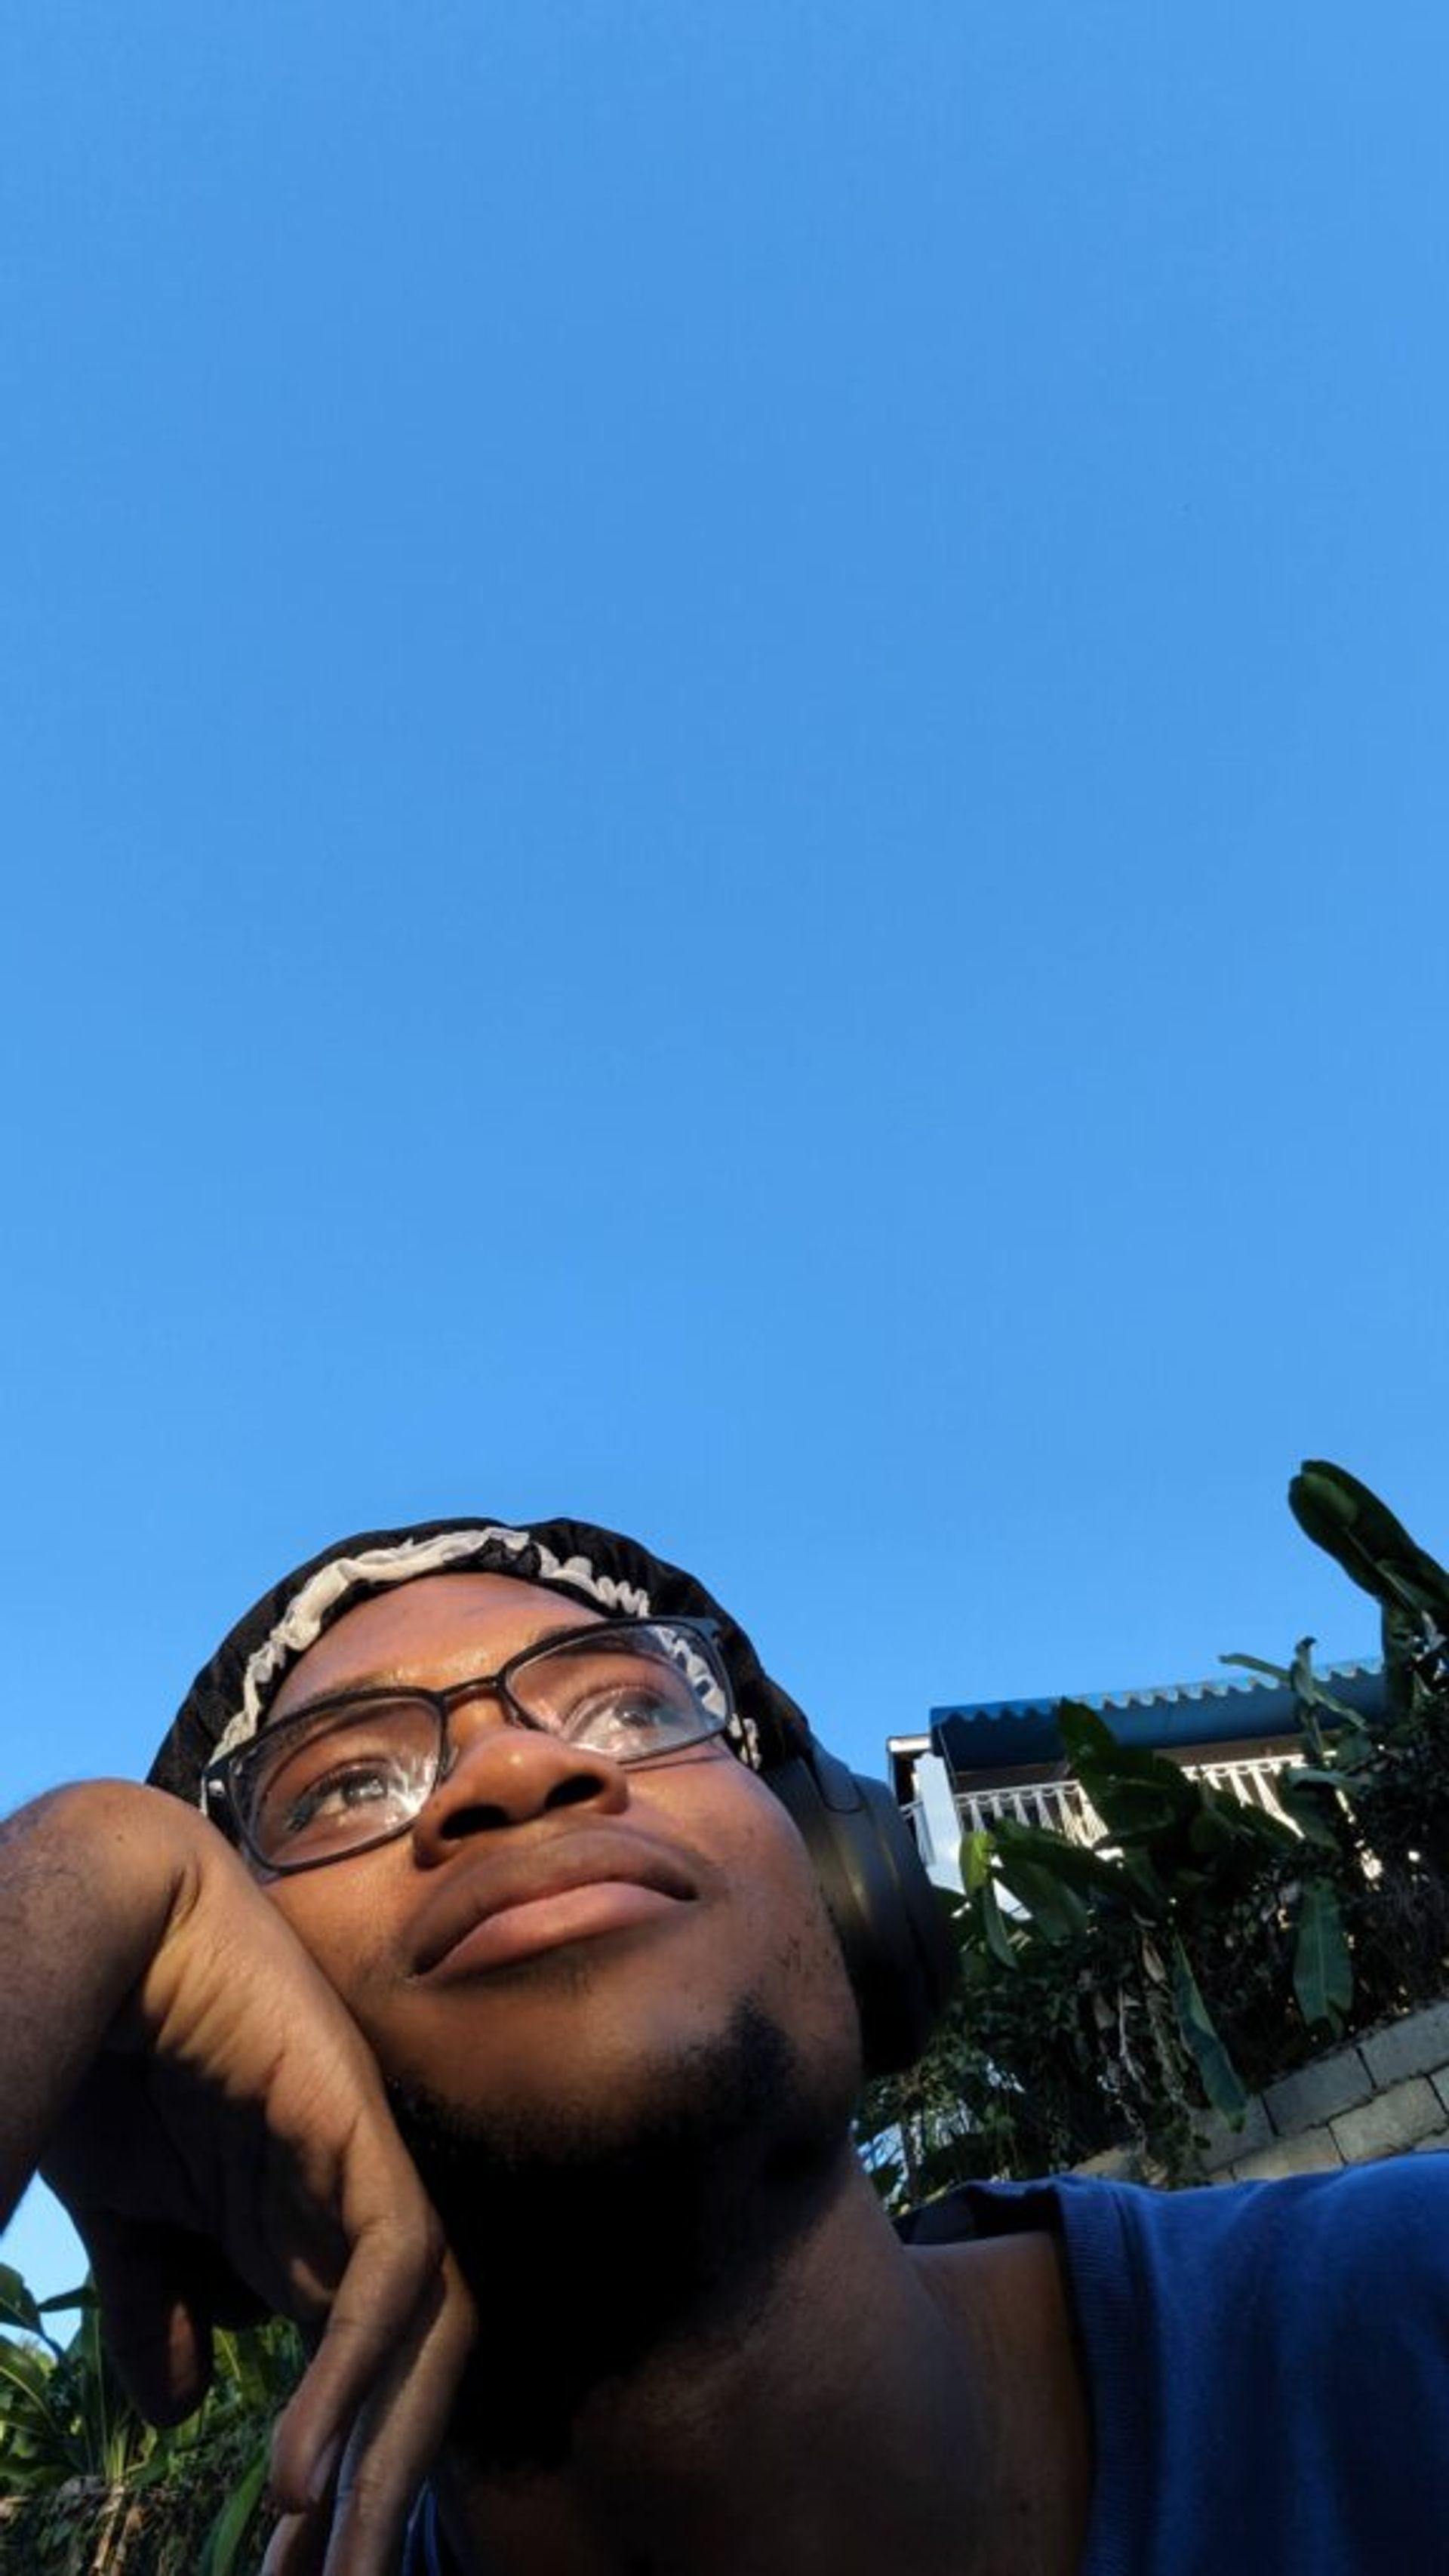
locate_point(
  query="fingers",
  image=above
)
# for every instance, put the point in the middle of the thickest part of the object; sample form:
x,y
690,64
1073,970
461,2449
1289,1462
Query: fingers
x,y
401,2432
392,2274
158,2336
356,2525
298,2546
359,2435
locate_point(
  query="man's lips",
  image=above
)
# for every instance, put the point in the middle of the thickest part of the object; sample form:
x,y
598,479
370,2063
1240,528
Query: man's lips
x,y
504,1904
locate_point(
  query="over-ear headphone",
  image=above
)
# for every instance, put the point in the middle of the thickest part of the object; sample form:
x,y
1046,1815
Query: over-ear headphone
x,y
891,1924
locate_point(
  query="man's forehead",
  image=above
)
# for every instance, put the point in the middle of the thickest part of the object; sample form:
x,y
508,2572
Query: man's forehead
x,y
440,1629
579,1563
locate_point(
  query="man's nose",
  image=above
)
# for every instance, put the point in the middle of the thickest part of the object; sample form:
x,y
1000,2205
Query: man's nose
x,y
503,1774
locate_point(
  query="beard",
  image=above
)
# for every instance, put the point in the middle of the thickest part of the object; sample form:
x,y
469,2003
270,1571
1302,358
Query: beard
x,y
594,2241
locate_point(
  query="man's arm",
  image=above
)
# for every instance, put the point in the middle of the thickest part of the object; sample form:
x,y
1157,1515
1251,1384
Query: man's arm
x,y
82,1913
205,2107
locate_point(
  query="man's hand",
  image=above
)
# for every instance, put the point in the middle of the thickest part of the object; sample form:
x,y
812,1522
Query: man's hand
x,y
203,2104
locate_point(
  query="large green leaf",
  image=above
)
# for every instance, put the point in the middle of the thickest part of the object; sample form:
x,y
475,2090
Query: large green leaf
x,y
1077,1865
1349,1522
1146,1880
1322,1963
1225,1830
975,1860
993,1924
1220,2079
223,2542
1279,1673
36,2448
263,2363
1309,1692
1056,1910
1307,1797
66,2303
1402,1632
1300,1678
1137,1793
25,2372
17,2307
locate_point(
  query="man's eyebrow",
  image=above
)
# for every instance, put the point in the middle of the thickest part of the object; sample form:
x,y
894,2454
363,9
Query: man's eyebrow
x,y
393,1678
373,1681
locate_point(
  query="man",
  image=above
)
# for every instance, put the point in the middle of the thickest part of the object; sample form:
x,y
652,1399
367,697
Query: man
x,y
529,1867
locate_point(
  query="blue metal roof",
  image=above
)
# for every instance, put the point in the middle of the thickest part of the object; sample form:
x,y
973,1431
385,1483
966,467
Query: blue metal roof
x,y
996,1734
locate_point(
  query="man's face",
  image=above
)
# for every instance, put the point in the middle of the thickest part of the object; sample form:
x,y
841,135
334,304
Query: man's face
x,y
560,1944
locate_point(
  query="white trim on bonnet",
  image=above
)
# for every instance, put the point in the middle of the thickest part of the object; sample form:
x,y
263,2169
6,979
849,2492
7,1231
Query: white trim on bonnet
x,y
302,1622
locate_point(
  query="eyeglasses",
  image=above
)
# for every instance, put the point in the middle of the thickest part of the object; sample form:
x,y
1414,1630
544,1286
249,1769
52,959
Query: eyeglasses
x,y
354,1770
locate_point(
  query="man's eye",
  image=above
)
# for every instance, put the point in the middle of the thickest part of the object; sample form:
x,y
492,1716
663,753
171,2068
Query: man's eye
x,y
339,1793
624,1721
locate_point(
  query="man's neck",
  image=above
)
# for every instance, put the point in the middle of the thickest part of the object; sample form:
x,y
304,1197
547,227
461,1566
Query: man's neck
x,y
867,2405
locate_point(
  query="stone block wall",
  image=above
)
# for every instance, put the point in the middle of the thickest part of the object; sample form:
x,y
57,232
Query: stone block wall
x,y
1383,2094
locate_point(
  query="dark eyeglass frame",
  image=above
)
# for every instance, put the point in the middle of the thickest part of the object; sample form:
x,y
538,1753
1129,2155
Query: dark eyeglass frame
x,y
221,1781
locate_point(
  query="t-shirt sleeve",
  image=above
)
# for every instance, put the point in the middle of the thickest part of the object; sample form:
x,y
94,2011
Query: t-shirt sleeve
x,y
1268,2366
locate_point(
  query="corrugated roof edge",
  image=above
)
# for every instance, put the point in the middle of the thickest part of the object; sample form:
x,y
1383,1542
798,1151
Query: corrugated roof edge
x,y
1155,1695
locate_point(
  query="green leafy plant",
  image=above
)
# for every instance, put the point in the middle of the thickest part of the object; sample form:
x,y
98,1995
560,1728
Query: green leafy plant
x,y
1119,1993
87,2484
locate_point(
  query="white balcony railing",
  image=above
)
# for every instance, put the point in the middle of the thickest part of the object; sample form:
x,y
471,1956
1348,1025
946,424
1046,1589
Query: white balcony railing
x,y
1064,1808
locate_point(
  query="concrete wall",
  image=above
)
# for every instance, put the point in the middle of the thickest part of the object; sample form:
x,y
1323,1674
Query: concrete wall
x,y
1383,2094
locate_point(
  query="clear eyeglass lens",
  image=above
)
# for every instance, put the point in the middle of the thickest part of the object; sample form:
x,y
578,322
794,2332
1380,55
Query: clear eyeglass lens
x,y
633,1695
348,1781
359,1777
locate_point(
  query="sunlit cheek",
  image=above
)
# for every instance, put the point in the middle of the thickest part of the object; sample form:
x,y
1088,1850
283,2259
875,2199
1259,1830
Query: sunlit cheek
x,y
340,1934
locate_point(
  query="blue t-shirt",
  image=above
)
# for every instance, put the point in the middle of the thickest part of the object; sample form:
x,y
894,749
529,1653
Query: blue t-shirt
x,y
1267,2368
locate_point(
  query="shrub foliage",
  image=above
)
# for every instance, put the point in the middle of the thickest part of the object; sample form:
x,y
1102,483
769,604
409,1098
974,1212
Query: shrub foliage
x,y
1118,1994
87,2488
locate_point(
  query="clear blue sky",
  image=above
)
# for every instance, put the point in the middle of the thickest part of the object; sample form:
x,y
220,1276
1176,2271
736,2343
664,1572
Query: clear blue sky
x,y
722,770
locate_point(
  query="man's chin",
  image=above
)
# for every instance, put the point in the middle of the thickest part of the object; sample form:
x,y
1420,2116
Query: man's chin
x,y
578,2127
596,2231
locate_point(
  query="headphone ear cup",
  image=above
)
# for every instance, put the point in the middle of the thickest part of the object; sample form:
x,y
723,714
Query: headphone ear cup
x,y
892,1929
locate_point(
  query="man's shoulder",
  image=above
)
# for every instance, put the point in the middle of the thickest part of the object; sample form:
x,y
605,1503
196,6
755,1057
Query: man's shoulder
x,y
1298,2329
1356,2200
1323,2240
